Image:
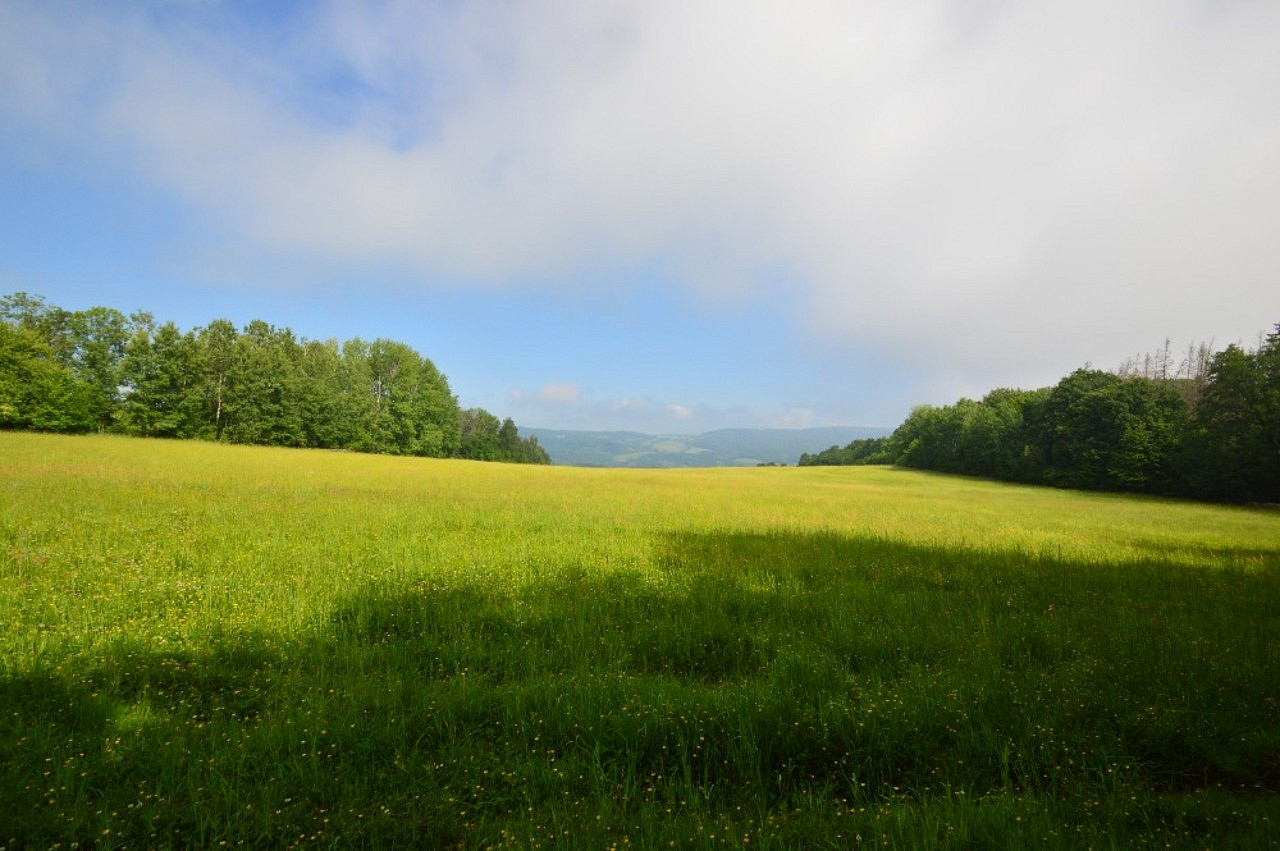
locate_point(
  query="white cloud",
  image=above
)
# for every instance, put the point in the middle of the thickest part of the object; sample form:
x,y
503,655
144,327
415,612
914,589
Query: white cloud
x,y
559,393
994,191
569,405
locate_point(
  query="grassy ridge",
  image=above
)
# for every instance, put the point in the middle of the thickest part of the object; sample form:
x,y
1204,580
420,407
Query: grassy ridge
x,y
202,644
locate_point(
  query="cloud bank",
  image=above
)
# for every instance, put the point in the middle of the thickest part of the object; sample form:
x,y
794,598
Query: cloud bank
x,y
994,191
570,405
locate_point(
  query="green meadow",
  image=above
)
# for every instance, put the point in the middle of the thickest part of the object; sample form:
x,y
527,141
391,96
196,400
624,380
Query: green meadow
x,y
209,645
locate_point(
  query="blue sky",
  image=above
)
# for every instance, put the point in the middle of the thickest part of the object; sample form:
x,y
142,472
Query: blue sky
x,y
660,216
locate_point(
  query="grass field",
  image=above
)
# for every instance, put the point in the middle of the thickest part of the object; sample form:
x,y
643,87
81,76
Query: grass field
x,y
214,646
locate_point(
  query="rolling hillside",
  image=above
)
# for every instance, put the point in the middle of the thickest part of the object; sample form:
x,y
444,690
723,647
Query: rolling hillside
x,y
734,447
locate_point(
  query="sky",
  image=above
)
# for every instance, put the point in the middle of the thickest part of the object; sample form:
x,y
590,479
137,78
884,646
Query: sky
x,y
660,216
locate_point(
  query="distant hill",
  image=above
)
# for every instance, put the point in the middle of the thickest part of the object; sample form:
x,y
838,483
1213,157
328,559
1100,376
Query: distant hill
x,y
729,447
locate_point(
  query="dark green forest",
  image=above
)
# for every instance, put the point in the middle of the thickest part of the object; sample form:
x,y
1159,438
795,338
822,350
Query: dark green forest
x,y
97,370
1207,429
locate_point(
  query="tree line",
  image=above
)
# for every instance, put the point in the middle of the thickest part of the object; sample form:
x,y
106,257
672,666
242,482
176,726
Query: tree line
x,y
1207,430
99,370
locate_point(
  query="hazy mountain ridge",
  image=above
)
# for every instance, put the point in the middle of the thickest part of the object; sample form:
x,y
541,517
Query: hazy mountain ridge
x,y
730,447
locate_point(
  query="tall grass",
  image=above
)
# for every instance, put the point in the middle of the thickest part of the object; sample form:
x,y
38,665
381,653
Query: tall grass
x,y
203,644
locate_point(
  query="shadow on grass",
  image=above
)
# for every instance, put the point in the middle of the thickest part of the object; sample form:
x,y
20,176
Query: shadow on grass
x,y
741,670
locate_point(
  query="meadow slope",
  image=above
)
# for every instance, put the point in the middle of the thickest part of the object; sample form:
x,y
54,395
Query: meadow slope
x,y
205,644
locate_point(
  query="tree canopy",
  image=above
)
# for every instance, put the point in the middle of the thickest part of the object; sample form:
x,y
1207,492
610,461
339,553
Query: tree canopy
x,y
1211,431
98,370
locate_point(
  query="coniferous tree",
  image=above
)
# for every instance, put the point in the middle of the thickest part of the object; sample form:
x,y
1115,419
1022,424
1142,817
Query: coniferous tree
x,y
533,452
